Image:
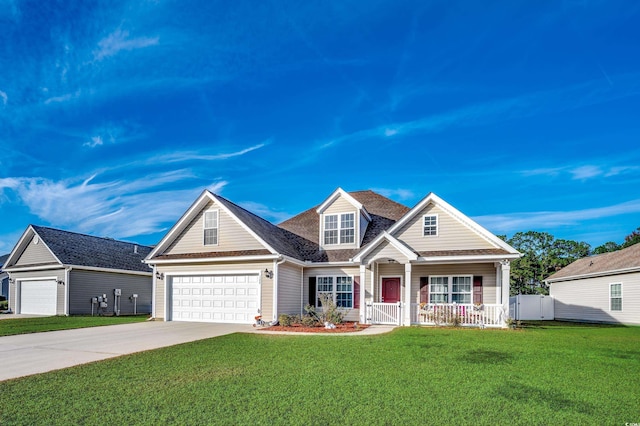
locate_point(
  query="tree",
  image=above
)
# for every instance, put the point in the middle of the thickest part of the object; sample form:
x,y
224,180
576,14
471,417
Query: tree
x,y
606,248
542,255
631,239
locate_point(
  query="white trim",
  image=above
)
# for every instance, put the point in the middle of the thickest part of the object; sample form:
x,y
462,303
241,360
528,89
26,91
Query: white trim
x,y
594,275
154,283
341,192
212,259
449,278
67,272
339,228
621,297
168,284
34,268
329,264
18,290
22,245
410,255
456,214
437,224
335,291
217,227
463,259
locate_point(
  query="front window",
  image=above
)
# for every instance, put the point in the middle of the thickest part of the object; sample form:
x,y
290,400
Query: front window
x,y
211,228
339,228
615,297
450,289
340,288
430,225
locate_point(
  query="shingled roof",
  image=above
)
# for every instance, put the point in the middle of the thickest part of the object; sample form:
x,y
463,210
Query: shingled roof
x,y
85,250
614,262
383,211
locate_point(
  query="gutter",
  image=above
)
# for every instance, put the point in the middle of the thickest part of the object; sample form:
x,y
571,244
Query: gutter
x,y
594,275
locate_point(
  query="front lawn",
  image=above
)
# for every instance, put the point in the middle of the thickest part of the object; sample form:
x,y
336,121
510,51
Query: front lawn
x,y
9,327
414,376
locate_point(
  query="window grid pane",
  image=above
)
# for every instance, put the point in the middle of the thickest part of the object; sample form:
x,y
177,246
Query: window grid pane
x,y
439,290
430,225
616,297
210,237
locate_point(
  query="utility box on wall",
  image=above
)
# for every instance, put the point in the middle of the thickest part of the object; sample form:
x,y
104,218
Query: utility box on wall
x,y
532,307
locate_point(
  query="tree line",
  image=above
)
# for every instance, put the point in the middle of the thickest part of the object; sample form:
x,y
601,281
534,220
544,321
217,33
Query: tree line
x,y
543,254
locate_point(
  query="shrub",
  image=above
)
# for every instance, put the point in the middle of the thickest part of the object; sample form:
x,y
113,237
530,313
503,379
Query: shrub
x,y
285,320
4,305
309,321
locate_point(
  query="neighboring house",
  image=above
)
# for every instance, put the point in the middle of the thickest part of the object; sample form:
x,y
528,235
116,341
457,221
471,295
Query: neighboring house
x,y
55,272
603,288
379,260
4,278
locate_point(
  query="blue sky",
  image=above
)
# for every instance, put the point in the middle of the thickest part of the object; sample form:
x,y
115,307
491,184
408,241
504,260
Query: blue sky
x,y
114,116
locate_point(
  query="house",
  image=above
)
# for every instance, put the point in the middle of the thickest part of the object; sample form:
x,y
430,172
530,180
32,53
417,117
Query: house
x,y
55,272
4,279
380,261
603,288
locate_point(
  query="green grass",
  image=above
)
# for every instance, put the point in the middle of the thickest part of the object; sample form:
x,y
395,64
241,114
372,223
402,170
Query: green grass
x,y
558,374
9,327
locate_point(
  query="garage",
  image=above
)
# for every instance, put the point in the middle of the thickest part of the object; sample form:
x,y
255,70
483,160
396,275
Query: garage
x,y
215,298
38,297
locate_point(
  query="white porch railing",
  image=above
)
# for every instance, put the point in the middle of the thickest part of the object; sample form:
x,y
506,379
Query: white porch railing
x,y
485,315
384,313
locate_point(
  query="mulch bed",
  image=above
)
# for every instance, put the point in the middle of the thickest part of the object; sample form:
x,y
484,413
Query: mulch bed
x,y
346,327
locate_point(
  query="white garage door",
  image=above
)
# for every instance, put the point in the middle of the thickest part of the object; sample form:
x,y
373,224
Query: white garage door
x,y
38,297
228,298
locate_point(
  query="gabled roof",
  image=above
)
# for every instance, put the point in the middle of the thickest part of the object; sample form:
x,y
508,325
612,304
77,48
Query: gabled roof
x,y
385,236
73,249
274,239
459,216
625,260
341,193
3,259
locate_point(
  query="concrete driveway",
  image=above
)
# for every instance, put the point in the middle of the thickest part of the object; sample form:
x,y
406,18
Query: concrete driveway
x,y
28,354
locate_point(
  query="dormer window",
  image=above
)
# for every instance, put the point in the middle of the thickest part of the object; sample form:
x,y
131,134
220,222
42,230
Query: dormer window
x,y
211,228
339,228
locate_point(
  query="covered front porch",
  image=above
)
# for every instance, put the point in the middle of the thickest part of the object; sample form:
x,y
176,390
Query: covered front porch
x,y
471,292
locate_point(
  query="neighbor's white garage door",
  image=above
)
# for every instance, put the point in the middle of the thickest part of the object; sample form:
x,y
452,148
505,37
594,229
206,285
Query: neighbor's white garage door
x,y
228,298
38,297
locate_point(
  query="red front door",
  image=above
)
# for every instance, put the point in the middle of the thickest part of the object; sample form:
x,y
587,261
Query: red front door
x,y
390,290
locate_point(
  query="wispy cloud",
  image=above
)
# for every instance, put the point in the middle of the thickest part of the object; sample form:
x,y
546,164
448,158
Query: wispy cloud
x,y
523,221
4,97
62,98
111,208
95,141
180,156
582,172
399,193
118,41
529,104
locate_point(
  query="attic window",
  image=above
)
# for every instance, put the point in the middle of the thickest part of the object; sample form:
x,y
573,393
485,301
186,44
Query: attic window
x,y
211,228
339,228
430,225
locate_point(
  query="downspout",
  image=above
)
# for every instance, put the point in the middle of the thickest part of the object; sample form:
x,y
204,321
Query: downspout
x,y
301,290
153,293
275,288
66,289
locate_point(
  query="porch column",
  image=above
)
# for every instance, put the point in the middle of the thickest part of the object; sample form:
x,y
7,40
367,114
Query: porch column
x,y
407,294
363,290
505,266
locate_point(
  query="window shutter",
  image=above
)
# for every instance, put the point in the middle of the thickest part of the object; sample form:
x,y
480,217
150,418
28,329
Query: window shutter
x,y
477,289
356,292
424,290
312,291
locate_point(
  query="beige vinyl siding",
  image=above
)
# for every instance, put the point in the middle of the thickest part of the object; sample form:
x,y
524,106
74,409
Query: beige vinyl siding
x,y
57,273
266,300
290,289
85,285
452,234
486,270
352,314
383,251
340,205
588,299
158,302
35,254
231,235
364,223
